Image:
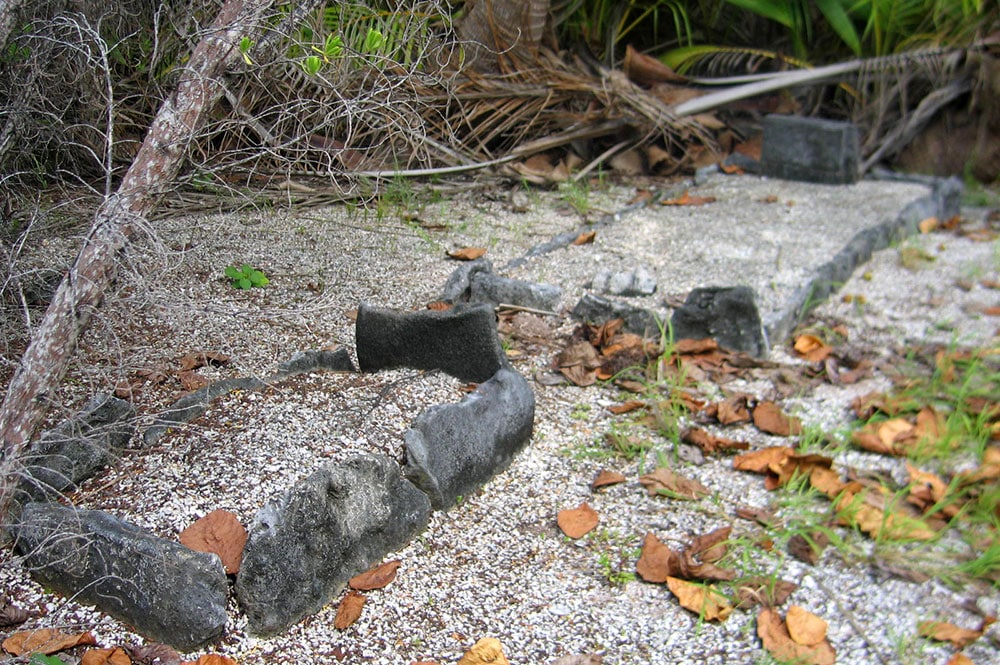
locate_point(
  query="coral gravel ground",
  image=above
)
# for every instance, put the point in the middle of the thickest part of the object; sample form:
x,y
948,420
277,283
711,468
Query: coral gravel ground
x,y
497,564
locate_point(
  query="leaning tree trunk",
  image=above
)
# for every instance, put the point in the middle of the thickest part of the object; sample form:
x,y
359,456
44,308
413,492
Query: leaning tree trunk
x,y
152,172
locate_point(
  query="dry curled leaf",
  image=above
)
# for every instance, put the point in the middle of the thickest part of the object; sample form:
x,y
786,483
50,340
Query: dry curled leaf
x,y
12,615
349,610
377,577
761,461
487,651
211,659
765,591
467,253
218,532
192,361
606,478
116,656
943,631
585,238
702,599
577,522
769,418
805,627
665,482
812,348
657,561
627,407
774,635
710,443
44,640
153,654
733,410
686,199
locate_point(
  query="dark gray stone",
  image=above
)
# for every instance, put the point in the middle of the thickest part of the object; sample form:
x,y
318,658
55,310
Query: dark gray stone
x,y
458,288
810,150
167,592
727,314
462,341
496,290
452,449
75,450
323,360
194,405
638,282
306,544
598,309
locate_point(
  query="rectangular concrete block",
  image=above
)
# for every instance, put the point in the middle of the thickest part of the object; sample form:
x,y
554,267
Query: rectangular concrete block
x,y
810,150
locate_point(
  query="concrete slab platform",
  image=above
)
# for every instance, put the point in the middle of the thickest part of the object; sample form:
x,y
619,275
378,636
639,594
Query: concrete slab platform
x,y
793,243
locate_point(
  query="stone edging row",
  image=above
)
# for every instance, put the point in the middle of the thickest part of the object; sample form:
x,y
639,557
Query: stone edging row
x,y
304,545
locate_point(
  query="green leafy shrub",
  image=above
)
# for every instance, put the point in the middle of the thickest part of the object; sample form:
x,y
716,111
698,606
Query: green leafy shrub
x,y
246,277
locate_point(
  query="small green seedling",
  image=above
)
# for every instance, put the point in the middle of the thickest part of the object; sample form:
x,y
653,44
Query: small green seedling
x,y
246,277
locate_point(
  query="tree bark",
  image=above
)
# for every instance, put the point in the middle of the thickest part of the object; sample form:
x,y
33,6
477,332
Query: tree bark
x,y
152,172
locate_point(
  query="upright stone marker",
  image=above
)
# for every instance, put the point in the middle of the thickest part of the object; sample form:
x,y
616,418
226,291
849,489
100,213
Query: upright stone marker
x,y
810,150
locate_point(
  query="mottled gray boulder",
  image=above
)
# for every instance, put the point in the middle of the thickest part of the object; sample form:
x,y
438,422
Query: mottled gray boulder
x,y
727,314
305,545
452,449
638,282
462,341
167,592
810,150
598,309
458,287
76,449
317,360
475,282
191,406
496,290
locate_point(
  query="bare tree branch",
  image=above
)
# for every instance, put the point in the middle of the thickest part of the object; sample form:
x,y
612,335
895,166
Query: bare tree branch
x,y
152,172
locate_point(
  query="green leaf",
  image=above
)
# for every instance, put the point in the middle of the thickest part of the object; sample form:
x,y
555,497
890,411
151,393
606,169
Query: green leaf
x,y
258,278
42,659
243,283
373,41
312,65
836,16
232,272
245,45
782,12
333,47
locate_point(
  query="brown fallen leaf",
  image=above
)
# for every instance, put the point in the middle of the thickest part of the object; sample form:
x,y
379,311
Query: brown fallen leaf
x,y
627,407
711,443
377,577
10,614
657,561
116,656
663,481
686,199
487,651
349,610
778,475
865,508
805,627
585,238
812,348
760,461
765,591
769,418
218,532
191,380
959,659
702,599
211,659
889,437
687,347
808,548
774,635
710,546
153,654
45,640
577,522
467,253
198,359
606,478
943,631
733,410
826,480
